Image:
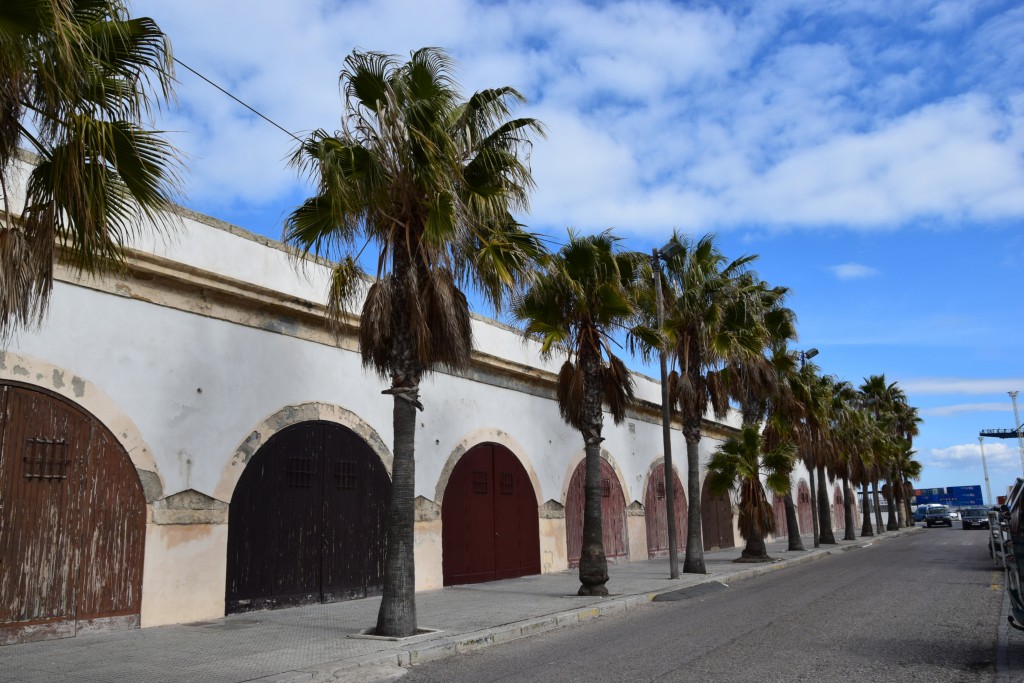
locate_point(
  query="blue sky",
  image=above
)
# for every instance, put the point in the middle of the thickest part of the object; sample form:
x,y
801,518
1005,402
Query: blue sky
x,y
871,152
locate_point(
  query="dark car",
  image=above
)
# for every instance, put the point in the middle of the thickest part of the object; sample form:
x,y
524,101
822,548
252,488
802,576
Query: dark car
x,y
937,514
974,518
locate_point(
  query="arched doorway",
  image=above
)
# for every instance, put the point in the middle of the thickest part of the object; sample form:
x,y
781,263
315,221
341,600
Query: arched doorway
x,y
613,514
803,508
490,526
72,521
656,515
308,520
779,507
716,520
839,509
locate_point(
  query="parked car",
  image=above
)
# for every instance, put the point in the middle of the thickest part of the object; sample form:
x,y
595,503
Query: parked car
x,y
919,513
1011,518
937,514
974,518
954,515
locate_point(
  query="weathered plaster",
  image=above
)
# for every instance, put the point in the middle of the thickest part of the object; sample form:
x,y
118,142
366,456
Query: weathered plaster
x,y
190,507
184,573
286,417
636,525
427,554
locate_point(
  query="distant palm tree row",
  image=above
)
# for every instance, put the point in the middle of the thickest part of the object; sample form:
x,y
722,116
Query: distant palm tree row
x,y
430,182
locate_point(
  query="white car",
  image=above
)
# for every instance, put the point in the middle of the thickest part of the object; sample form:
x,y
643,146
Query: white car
x,y
954,515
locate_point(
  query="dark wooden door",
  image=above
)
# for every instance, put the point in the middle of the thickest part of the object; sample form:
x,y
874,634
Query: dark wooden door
x,y
614,533
72,521
489,520
656,515
716,520
803,508
781,525
308,520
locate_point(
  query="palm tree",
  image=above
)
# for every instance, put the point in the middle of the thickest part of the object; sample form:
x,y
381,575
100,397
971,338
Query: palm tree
x,y
884,400
77,79
740,462
707,327
820,420
587,293
785,414
428,179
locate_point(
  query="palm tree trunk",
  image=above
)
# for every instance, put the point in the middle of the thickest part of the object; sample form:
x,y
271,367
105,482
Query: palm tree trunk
x,y
397,615
878,508
814,503
755,550
908,514
693,562
824,509
892,524
850,532
792,524
898,490
593,562
866,529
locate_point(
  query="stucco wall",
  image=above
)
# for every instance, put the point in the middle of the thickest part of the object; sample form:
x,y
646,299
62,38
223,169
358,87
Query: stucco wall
x,y
214,341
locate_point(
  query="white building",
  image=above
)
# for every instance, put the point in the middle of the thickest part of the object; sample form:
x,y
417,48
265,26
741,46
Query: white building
x,y
191,438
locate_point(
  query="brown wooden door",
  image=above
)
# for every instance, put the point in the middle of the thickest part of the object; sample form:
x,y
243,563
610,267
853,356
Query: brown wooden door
x,y
489,519
72,520
656,514
779,507
839,510
803,508
614,533
308,520
716,520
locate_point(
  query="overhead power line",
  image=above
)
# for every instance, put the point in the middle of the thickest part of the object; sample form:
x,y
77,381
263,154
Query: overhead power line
x,y
254,111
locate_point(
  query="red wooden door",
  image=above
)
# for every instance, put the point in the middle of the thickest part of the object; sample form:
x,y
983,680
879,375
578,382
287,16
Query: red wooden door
x,y
716,520
781,526
839,510
614,532
656,514
803,508
72,520
308,520
490,527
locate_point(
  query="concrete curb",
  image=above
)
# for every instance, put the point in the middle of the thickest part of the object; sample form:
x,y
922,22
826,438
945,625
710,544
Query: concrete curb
x,y
446,646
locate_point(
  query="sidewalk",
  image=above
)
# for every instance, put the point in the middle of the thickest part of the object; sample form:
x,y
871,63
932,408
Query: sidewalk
x,y
322,643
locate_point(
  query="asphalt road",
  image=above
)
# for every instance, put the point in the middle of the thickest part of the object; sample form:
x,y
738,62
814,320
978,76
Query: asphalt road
x,y
924,607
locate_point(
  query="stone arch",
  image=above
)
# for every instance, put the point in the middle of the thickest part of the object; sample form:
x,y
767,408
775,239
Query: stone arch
x,y
90,398
655,511
289,416
482,436
615,509
575,461
804,510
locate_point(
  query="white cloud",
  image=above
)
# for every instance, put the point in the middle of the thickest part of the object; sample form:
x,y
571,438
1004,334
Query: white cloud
x,y
660,114
946,411
999,457
962,385
852,271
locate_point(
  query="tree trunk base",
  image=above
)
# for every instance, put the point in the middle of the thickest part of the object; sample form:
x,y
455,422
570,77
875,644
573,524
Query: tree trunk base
x,y
750,559
597,590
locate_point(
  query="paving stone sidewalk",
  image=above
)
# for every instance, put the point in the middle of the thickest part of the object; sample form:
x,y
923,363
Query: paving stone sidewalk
x,y
320,642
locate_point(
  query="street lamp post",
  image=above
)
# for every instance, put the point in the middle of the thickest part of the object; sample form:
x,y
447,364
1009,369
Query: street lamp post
x,y
804,355
984,468
657,256
1016,424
